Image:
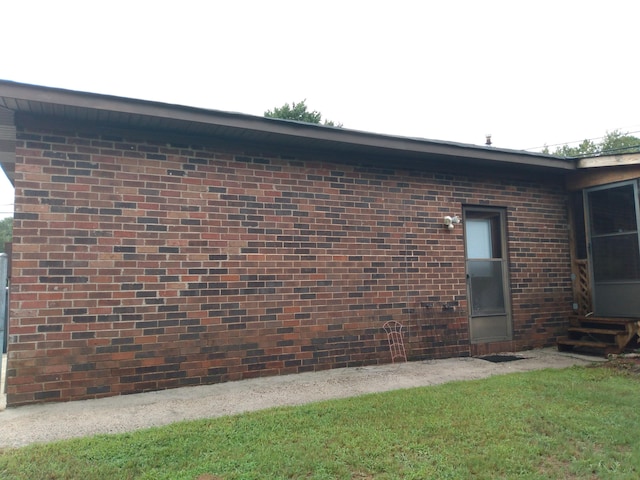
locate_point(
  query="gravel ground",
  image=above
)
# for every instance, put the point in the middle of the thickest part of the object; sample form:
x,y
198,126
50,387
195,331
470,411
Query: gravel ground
x,y
55,421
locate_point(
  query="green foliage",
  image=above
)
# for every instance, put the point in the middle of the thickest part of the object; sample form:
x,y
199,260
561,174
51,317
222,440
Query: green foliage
x,y
618,142
300,113
572,423
6,232
612,143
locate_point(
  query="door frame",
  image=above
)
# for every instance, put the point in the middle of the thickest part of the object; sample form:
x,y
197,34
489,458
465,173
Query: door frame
x,y
503,320
618,285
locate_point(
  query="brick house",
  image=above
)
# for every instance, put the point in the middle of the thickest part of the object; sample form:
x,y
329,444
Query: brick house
x,y
159,246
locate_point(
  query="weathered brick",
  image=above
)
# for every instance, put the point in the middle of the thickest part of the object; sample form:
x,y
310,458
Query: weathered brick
x,y
145,274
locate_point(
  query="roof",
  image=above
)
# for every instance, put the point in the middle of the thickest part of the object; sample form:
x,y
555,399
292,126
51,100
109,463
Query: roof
x,y
283,135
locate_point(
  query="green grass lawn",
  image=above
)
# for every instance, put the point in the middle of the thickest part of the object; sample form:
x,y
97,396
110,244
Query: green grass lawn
x,y
577,423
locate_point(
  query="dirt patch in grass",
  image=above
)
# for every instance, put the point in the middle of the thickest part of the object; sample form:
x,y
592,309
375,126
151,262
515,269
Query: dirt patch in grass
x,y
628,363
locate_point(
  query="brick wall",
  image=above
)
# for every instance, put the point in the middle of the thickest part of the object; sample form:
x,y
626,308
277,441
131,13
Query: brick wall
x,y
143,265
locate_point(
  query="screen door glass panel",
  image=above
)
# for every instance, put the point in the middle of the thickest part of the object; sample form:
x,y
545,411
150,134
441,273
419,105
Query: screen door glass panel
x,y
478,238
487,293
484,265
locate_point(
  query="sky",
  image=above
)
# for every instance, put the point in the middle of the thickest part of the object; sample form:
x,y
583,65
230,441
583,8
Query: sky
x,y
530,73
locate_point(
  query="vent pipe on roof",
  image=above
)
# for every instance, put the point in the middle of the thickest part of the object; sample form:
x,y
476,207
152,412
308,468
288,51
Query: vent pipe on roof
x,y
488,142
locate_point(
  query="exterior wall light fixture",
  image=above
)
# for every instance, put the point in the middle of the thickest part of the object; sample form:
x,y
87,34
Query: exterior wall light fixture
x,y
450,222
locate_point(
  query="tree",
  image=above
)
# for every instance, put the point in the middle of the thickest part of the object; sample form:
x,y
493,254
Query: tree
x,y
6,232
618,142
300,113
612,143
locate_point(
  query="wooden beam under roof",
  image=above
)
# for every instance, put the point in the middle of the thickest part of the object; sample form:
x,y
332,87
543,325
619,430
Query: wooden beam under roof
x,y
593,177
610,160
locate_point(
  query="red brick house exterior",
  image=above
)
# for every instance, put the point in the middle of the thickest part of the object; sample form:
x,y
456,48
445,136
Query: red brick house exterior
x,y
159,246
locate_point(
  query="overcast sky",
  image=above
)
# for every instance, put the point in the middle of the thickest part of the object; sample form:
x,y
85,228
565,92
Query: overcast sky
x,y
529,73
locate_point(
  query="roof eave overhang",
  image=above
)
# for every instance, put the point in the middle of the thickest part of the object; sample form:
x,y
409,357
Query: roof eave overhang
x,y
73,105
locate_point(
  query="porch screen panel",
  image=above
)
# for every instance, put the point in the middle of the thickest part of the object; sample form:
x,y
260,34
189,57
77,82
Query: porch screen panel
x,y
614,235
612,211
616,258
614,249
